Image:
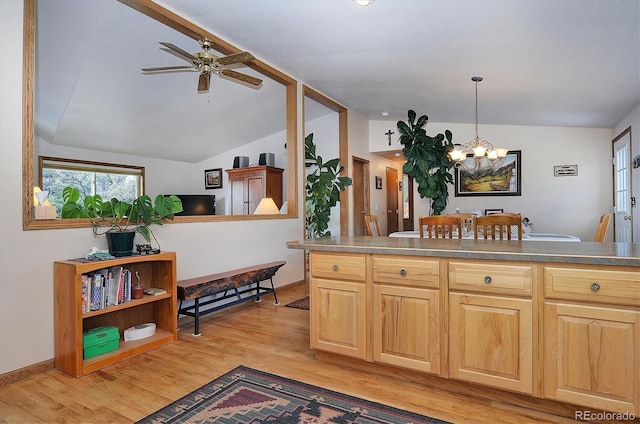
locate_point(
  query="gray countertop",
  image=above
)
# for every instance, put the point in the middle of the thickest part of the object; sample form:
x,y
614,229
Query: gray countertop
x,y
625,254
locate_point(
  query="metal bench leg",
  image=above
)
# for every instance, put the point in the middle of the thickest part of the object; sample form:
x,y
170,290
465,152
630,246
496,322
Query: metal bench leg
x,y
196,328
178,317
275,298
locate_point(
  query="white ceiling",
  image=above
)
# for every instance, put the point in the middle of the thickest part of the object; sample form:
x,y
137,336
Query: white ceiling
x,y
544,62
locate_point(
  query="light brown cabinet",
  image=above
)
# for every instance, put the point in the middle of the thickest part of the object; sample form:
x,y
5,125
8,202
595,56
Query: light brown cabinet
x,y
406,312
592,337
490,333
250,185
498,315
338,304
157,270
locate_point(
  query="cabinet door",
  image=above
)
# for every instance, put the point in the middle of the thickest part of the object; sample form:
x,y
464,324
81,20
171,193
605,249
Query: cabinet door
x,y
406,323
592,356
490,341
255,193
238,194
338,317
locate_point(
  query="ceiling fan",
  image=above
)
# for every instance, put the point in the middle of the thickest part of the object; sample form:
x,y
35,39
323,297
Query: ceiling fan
x,y
208,63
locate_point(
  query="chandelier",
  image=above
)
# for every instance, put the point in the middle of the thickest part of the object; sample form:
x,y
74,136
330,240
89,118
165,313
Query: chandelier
x,y
478,147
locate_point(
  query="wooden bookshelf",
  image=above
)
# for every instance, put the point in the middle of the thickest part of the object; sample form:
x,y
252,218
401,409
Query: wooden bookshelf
x,y
157,270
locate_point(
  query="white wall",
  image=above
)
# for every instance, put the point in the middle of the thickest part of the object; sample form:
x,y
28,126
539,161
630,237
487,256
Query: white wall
x,y
26,257
568,205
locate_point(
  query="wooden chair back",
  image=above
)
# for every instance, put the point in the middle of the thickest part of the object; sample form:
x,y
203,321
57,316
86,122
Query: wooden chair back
x,y
440,226
603,225
373,225
499,226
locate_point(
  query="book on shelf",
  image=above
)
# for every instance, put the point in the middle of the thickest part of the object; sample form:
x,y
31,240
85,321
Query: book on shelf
x,y
86,293
105,287
154,291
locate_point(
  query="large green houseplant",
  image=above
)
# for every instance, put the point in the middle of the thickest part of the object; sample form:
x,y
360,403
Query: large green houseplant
x,y
322,189
427,160
116,218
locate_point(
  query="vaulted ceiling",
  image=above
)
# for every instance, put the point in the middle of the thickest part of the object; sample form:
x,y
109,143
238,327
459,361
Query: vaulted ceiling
x,y
544,62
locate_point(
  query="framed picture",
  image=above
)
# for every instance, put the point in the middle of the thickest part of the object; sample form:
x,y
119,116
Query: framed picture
x,y
213,178
379,183
480,177
492,211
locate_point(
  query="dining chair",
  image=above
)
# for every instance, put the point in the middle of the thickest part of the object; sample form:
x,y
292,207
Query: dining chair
x,y
440,226
603,225
498,226
373,225
466,221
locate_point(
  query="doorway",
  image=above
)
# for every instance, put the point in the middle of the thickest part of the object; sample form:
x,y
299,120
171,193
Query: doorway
x,y
622,201
407,203
392,199
361,195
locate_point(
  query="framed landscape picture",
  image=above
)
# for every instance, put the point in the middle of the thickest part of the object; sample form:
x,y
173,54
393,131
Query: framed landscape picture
x,y
213,178
481,177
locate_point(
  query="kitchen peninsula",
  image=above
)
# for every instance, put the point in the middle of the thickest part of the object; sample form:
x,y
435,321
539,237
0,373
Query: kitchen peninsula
x,y
553,320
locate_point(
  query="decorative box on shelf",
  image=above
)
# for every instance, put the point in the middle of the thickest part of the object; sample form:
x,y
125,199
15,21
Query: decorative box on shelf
x,y
45,212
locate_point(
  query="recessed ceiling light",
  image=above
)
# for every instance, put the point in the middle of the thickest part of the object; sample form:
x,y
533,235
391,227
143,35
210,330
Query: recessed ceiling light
x,y
364,3
385,114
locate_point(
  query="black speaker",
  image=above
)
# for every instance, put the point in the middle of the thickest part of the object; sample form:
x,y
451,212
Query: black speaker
x,y
241,161
266,159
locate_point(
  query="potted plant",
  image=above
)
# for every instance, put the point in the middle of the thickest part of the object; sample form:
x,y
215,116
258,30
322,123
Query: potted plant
x,y
427,160
322,189
118,220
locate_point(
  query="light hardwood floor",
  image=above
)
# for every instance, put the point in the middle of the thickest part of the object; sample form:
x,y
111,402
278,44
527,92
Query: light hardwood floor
x,y
263,336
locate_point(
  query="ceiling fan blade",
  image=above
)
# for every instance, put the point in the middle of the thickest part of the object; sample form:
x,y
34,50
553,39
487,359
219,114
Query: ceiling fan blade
x,y
236,58
203,81
178,50
166,68
242,77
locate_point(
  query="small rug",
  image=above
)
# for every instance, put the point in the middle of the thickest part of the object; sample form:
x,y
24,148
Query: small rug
x,y
300,303
245,395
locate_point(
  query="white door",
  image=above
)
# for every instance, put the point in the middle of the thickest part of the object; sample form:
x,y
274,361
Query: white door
x,y
622,228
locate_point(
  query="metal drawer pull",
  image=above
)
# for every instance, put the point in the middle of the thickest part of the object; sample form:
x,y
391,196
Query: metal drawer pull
x,y
335,267
595,286
403,272
487,279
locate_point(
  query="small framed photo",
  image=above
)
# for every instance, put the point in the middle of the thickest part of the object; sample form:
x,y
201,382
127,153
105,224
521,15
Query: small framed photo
x,y
213,178
379,183
493,211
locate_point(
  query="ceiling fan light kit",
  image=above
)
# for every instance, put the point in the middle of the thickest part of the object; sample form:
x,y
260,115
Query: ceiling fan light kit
x,y
208,63
478,147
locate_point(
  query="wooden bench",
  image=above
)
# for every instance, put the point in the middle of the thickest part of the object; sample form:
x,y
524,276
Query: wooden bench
x,y
238,281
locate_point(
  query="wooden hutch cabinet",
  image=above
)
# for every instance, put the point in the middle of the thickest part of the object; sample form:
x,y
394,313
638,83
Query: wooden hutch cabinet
x,y
250,185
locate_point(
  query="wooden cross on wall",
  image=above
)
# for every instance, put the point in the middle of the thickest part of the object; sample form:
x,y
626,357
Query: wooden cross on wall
x,y
388,134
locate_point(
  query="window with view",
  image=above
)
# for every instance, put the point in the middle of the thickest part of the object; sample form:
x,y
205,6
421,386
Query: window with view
x,y
126,182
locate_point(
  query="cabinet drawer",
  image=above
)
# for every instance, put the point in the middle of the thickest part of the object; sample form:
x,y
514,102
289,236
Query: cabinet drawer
x,y
489,277
593,285
406,271
340,266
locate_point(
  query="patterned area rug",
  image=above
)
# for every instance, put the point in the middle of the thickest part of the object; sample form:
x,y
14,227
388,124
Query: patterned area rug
x,y
300,303
245,395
